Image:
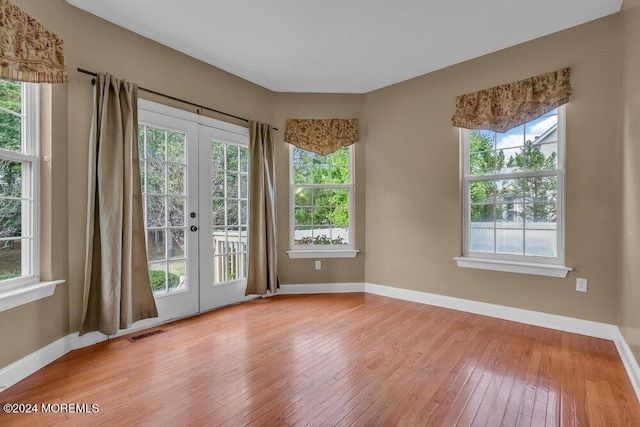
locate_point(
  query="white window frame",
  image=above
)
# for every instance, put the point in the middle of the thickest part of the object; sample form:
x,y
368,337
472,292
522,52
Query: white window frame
x,y
28,287
525,264
322,251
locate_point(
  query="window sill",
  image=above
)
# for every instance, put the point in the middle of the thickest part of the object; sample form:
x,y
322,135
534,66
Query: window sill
x,y
28,293
323,253
550,270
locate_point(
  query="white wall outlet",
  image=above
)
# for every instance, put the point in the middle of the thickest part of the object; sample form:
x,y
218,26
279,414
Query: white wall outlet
x,y
581,285
319,265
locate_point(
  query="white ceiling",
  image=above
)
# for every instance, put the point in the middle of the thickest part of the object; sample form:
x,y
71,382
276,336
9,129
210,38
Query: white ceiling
x,y
342,46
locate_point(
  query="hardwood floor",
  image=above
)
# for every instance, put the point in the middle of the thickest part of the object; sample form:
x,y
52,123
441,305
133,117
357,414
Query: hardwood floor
x,y
338,359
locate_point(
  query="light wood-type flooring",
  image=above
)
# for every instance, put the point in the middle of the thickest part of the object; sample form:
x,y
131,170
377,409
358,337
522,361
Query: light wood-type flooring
x,y
336,360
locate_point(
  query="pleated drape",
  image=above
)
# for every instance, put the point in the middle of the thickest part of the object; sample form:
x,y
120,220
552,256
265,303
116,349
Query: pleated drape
x,y
117,291
263,247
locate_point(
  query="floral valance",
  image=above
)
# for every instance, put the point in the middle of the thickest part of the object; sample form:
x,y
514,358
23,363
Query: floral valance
x,y
28,52
321,136
504,107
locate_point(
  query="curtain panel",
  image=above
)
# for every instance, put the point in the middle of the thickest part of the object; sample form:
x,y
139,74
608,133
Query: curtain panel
x,y
263,247
28,51
321,136
117,291
504,107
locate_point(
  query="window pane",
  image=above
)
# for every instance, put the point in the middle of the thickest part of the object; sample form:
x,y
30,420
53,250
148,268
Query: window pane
x,y
303,197
233,215
303,216
510,160
141,150
10,259
481,140
321,175
302,157
509,242
232,185
302,175
176,276
175,147
217,156
541,215
10,132
244,159
11,95
482,216
156,245
156,143
176,179
232,157
321,197
542,189
340,217
217,184
542,242
541,157
511,138
218,212
481,240
340,174
175,244
10,218
321,215
482,163
482,191
340,198
303,235
176,211
244,186
158,277
155,177
155,211
10,178
244,212
340,157
509,190
509,215
321,236
543,129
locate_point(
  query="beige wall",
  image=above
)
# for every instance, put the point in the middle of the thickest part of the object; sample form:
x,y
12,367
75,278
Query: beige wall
x,y
94,44
319,106
630,231
408,214
413,180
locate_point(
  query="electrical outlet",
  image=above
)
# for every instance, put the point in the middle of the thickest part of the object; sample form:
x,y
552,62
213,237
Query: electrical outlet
x,y
581,285
318,265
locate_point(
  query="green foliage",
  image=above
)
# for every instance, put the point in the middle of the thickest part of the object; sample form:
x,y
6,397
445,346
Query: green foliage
x,y
157,279
319,240
9,275
321,207
10,171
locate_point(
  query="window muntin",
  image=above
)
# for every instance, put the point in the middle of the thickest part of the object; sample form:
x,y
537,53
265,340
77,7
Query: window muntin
x,y
513,191
321,199
230,210
163,175
19,172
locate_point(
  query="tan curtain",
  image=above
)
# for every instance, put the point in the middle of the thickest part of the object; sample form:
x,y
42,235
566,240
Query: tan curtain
x,y
117,291
263,247
321,136
504,107
28,52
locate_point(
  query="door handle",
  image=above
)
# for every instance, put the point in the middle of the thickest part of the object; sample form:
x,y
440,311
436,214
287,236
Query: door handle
x,y
193,228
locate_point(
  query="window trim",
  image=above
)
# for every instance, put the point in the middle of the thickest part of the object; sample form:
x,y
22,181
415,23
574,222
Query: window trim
x,y
525,264
322,251
26,289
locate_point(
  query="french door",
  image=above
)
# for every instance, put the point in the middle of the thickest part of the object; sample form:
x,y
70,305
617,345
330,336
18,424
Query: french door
x,y
194,174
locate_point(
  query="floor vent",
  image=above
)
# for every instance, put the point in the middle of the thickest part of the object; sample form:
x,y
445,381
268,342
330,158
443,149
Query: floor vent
x,y
145,335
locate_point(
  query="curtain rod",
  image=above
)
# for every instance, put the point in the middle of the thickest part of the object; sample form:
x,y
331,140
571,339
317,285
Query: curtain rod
x,y
173,98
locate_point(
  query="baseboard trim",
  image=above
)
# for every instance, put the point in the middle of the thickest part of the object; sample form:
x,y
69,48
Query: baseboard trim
x,y
321,288
628,360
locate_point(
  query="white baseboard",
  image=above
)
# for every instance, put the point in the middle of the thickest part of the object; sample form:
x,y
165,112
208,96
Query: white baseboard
x,y
26,366
321,288
21,369
629,361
